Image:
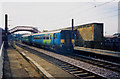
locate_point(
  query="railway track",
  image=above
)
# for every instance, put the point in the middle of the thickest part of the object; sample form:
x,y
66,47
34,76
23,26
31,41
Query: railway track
x,y
76,71
98,62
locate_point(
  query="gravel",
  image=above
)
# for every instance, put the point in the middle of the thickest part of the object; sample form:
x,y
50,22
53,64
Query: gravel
x,y
86,66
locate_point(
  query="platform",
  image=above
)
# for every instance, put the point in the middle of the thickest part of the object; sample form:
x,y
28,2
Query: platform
x,y
98,51
16,66
52,69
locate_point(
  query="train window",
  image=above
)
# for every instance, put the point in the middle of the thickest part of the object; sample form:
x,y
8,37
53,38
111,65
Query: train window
x,y
51,36
47,37
40,37
44,37
36,37
55,36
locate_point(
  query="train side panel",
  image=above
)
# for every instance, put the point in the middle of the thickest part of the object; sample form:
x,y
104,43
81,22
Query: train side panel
x,y
62,40
37,39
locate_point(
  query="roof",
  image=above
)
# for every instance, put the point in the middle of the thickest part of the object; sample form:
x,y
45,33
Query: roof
x,y
75,27
47,32
42,33
26,35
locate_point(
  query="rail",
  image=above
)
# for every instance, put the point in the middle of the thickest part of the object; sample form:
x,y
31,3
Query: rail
x,y
1,60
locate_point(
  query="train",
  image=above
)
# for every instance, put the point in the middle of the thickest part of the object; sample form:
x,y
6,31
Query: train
x,y
61,40
88,36
112,42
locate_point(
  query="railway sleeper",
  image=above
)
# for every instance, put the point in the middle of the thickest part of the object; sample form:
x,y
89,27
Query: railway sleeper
x,y
89,77
84,74
76,72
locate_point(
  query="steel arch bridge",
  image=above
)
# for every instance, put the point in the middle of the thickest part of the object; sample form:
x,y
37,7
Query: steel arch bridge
x,y
24,28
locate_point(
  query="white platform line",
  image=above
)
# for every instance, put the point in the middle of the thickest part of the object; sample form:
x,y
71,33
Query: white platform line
x,y
39,67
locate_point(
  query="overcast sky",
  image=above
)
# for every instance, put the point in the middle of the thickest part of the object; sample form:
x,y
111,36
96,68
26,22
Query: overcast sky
x,y
55,15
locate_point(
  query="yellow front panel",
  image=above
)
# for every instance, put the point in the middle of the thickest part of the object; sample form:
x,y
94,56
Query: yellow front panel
x,y
62,41
73,42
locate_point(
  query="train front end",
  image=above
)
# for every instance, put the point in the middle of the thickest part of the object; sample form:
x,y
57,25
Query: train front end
x,y
67,40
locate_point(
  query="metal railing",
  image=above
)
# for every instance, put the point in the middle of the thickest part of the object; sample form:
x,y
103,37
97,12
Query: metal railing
x,y
1,60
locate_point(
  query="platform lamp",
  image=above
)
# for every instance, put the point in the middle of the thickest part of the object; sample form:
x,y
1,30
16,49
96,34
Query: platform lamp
x,y
72,24
6,31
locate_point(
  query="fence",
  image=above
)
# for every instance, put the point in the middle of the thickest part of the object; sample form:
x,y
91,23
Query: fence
x,y
1,60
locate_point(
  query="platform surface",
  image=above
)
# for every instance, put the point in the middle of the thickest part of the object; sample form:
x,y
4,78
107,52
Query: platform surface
x,y
52,69
98,51
15,66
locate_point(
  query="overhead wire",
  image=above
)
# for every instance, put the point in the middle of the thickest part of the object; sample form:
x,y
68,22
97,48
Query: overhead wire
x,y
104,12
90,8
104,3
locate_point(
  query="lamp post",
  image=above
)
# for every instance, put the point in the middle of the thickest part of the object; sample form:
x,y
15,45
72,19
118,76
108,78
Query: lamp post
x,y
6,31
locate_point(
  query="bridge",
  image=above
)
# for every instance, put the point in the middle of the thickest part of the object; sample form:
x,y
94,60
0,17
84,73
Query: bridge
x,y
24,28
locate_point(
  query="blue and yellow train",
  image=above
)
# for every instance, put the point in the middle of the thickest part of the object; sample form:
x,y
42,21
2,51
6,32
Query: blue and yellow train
x,y
58,40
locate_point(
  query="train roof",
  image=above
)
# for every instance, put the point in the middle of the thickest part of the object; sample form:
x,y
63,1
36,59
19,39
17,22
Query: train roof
x,y
26,35
47,32
50,32
42,33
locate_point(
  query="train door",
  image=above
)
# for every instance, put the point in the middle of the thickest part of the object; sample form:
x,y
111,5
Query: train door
x,y
54,39
30,39
67,36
